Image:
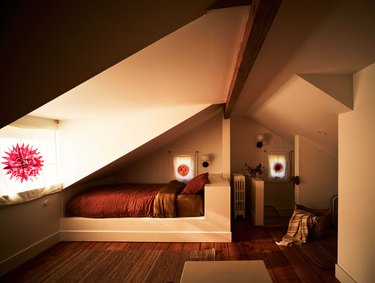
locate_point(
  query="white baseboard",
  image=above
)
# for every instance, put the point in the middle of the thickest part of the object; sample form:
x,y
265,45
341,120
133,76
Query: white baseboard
x,y
24,255
342,276
144,236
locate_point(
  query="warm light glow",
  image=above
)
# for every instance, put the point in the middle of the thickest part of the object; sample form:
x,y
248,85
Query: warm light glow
x,y
277,166
184,167
28,159
22,162
260,137
205,157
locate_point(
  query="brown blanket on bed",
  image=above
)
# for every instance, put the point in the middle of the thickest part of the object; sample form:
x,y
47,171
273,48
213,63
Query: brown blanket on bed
x,y
165,200
127,200
120,200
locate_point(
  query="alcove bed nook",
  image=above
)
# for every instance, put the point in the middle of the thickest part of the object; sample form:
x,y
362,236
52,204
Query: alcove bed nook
x,y
213,226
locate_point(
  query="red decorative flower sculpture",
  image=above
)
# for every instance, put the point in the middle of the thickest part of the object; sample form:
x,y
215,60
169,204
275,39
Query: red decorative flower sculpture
x,y
183,170
23,162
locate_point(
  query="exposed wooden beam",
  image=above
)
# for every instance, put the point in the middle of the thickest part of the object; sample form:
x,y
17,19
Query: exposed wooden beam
x,y
220,4
262,14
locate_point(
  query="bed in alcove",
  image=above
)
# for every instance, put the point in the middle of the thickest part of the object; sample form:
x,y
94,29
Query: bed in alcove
x,y
213,226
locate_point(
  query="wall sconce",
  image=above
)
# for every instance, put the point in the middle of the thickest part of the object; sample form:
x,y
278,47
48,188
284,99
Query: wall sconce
x,y
205,159
260,139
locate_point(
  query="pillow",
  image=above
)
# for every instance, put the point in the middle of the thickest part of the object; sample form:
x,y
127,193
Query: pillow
x,y
177,184
196,185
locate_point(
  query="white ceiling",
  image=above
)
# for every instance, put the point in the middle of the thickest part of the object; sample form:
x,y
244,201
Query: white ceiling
x,y
48,49
314,39
300,108
193,65
311,37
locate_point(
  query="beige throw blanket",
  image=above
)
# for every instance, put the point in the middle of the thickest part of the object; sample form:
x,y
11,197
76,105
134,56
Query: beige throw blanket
x,y
298,228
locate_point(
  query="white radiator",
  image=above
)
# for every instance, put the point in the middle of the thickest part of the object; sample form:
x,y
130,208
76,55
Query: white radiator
x,y
239,195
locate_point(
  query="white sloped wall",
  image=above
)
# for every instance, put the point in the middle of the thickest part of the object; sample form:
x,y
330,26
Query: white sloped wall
x,y
86,145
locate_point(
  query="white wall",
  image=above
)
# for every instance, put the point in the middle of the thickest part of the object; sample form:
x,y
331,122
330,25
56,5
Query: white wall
x,y
280,196
226,148
356,227
27,229
157,167
87,145
318,171
244,132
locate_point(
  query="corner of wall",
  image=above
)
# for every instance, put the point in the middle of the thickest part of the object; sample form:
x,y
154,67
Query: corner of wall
x,y
226,148
342,276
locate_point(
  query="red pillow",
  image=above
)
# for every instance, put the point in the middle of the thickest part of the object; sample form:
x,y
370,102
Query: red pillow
x,y
196,185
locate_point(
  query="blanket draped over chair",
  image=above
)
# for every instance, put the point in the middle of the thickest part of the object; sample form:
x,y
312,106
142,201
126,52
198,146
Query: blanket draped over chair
x,y
298,228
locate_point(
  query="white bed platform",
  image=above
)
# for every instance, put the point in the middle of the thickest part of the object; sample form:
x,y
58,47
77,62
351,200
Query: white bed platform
x,y
214,226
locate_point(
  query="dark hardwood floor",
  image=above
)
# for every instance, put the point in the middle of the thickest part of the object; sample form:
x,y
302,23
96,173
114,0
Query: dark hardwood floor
x,y
312,262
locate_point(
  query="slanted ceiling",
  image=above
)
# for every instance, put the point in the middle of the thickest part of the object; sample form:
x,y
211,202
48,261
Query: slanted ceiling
x,y
302,78
151,146
119,77
49,47
49,50
299,98
190,66
126,109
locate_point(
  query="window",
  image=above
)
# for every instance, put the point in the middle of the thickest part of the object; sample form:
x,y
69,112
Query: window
x,y
28,158
278,169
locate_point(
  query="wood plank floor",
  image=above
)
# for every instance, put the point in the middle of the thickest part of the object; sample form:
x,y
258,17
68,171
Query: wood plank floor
x,y
313,262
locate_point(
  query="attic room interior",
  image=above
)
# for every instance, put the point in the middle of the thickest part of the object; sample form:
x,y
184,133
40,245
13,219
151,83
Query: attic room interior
x,y
101,94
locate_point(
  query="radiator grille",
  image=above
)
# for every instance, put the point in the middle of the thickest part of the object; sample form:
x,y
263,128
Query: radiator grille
x,y
239,195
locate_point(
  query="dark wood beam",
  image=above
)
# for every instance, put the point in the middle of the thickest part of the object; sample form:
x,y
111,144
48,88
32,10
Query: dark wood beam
x,y
220,4
262,14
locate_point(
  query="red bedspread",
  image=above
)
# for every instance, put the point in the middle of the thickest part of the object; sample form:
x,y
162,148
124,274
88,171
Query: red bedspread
x,y
125,200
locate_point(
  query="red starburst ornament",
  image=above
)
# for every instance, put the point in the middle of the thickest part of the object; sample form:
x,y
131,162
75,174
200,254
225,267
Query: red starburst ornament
x,y
23,163
278,167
